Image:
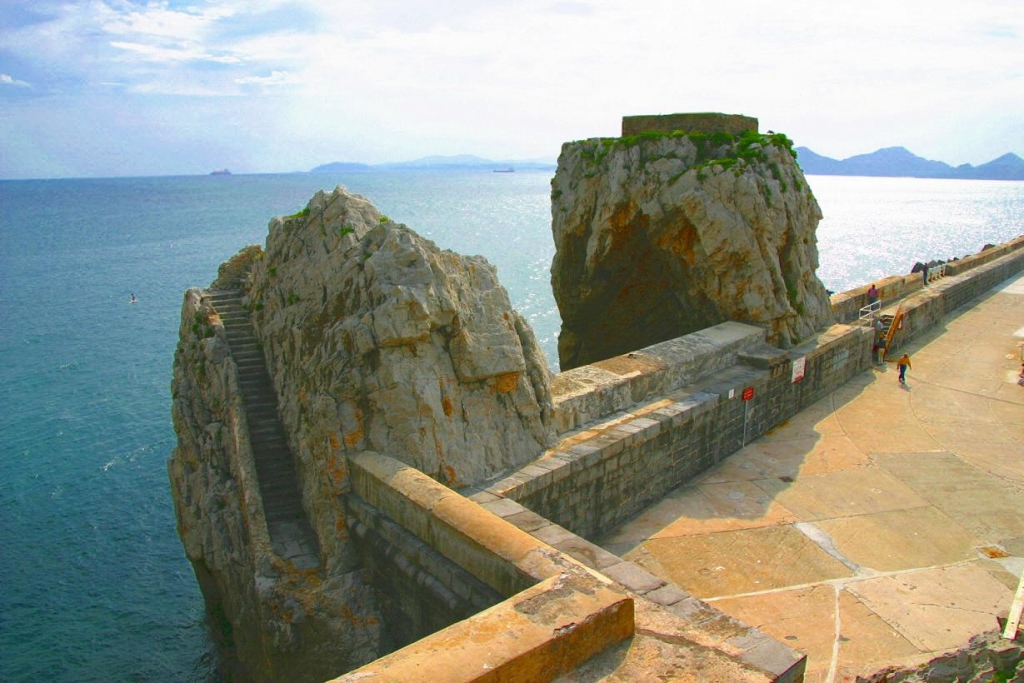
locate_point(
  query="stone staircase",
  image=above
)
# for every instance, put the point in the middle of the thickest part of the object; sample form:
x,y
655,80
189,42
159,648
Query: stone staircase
x,y
290,531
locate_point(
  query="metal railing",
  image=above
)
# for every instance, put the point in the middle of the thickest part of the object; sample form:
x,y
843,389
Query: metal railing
x,y
871,310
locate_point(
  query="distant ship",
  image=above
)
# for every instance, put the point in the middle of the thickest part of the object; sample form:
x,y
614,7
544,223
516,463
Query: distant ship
x,y
505,170
222,171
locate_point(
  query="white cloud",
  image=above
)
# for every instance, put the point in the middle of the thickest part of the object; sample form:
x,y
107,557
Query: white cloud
x,y
397,78
275,78
181,53
7,80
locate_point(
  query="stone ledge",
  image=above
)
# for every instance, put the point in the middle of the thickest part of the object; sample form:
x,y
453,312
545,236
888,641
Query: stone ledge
x,y
593,392
559,613
707,626
537,635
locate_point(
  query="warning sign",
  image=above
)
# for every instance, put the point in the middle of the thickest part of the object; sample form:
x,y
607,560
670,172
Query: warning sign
x,y
798,368
748,393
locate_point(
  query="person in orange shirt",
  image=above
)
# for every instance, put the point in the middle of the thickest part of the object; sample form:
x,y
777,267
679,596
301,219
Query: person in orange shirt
x,y
903,363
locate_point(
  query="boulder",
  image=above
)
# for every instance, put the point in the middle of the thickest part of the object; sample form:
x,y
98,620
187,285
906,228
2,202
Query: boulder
x,y
376,339
661,234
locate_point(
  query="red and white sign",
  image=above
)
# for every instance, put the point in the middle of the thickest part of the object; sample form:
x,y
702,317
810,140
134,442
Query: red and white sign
x,y
748,393
799,365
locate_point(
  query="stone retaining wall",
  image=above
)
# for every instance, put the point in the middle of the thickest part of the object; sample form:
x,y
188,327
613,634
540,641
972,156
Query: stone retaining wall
x,y
590,392
951,292
633,428
557,613
846,305
418,590
961,266
567,600
606,472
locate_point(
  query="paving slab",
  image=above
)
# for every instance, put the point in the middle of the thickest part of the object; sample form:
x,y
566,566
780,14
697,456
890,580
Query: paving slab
x,y
883,420
789,457
936,609
806,619
842,493
1000,460
986,505
802,618
701,509
709,508
889,527
896,540
868,643
744,561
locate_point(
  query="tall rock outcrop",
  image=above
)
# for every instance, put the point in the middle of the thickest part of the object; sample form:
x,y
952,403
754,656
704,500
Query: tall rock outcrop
x,y
664,233
381,341
374,339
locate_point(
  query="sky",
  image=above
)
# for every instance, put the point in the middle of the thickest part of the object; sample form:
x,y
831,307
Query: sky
x,y
102,88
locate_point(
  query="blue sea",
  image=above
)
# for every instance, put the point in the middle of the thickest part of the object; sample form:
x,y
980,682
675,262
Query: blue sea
x,y
94,585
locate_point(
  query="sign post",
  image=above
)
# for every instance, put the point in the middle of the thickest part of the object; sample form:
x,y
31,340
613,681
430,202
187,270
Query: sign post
x,y
748,394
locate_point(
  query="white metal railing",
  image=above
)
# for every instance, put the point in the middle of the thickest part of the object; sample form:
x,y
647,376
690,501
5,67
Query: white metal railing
x,y
871,310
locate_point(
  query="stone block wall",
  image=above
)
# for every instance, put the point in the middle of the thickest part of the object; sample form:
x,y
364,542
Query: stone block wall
x,y
846,305
590,392
706,122
609,470
951,292
982,257
554,615
576,600
419,591
633,428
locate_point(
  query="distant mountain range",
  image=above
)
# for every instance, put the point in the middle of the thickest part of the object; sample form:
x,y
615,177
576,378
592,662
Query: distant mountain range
x,y
451,163
898,162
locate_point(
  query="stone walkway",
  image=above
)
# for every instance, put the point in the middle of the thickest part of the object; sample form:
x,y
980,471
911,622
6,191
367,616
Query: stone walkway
x,y
882,526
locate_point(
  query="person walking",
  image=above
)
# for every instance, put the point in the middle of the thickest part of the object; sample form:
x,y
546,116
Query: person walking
x,y
902,364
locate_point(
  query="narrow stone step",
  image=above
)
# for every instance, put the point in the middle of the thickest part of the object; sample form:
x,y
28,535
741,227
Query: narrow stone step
x,y
275,468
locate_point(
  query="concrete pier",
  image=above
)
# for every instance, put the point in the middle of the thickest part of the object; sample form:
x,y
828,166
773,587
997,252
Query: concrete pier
x,y
884,525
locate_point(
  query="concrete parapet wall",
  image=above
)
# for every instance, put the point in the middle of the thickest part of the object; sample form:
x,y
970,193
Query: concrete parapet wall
x,y
418,590
594,391
951,292
708,122
961,266
558,613
605,472
846,305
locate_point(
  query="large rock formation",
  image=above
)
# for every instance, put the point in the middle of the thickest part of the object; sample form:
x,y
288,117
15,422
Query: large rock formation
x,y
374,339
274,620
379,340
664,233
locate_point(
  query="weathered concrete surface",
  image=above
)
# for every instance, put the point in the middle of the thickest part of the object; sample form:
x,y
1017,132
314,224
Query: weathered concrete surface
x,y
863,531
